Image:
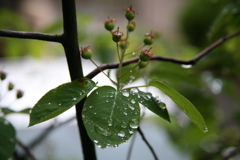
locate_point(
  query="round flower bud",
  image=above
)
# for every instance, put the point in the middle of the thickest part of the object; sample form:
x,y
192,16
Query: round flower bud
x,y
10,86
123,44
149,39
143,64
131,26
145,55
109,24
86,52
3,75
19,94
130,13
117,35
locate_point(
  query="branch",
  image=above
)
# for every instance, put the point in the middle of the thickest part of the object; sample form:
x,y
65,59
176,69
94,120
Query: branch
x,y
231,154
31,35
167,59
147,143
26,149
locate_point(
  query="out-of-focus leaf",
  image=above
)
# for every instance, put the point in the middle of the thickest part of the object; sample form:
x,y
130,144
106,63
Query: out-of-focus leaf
x,y
7,111
7,139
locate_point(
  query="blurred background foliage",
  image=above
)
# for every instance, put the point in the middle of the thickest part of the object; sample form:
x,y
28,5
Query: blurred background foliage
x,y
212,85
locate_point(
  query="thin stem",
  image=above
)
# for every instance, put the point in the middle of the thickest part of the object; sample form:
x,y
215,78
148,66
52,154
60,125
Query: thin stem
x,y
118,52
27,150
192,61
130,70
31,35
147,143
135,50
103,72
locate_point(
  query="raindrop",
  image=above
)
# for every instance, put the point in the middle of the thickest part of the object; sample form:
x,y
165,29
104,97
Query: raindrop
x,y
74,99
162,105
121,134
206,130
96,92
90,106
134,90
131,107
83,116
133,101
110,122
94,113
95,141
131,131
102,131
115,146
186,66
130,71
133,123
49,103
124,125
125,93
133,53
107,101
125,113
59,103
80,93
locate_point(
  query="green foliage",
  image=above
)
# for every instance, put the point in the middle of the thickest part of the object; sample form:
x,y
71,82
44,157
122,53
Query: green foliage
x,y
60,99
7,139
7,111
111,116
184,104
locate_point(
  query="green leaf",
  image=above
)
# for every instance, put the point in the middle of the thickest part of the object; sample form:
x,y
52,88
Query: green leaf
x,y
60,99
7,139
7,111
183,103
153,104
111,117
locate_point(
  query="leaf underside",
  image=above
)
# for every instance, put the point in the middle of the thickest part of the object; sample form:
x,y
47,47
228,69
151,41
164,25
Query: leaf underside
x,y
183,103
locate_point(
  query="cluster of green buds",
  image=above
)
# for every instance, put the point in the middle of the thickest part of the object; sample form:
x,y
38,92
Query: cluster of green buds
x,y
109,24
3,75
130,13
149,39
145,55
117,35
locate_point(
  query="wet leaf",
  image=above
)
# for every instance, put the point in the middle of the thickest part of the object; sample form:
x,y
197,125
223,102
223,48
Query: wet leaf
x,y
60,99
183,103
7,139
111,117
153,104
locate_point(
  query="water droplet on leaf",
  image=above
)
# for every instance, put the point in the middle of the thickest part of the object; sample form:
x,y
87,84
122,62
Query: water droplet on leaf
x,y
125,93
121,134
124,125
102,131
133,101
133,123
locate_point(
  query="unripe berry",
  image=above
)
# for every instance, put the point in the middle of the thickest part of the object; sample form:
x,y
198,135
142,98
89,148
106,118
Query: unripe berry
x,y
10,86
130,13
149,39
109,24
3,75
19,94
143,64
131,26
123,44
117,35
86,52
145,55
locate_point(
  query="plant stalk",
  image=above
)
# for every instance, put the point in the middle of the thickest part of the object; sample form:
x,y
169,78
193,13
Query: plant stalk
x,y
70,44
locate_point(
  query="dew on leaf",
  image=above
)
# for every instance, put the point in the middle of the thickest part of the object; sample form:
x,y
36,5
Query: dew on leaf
x,y
133,123
74,99
102,131
95,141
49,103
110,122
124,125
131,131
121,134
107,101
96,92
83,116
90,106
125,94
131,107
115,146
162,105
125,113
206,130
133,101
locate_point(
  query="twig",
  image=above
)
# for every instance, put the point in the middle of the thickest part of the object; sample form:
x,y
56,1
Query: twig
x,y
31,35
232,153
167,59
147,143
26,149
